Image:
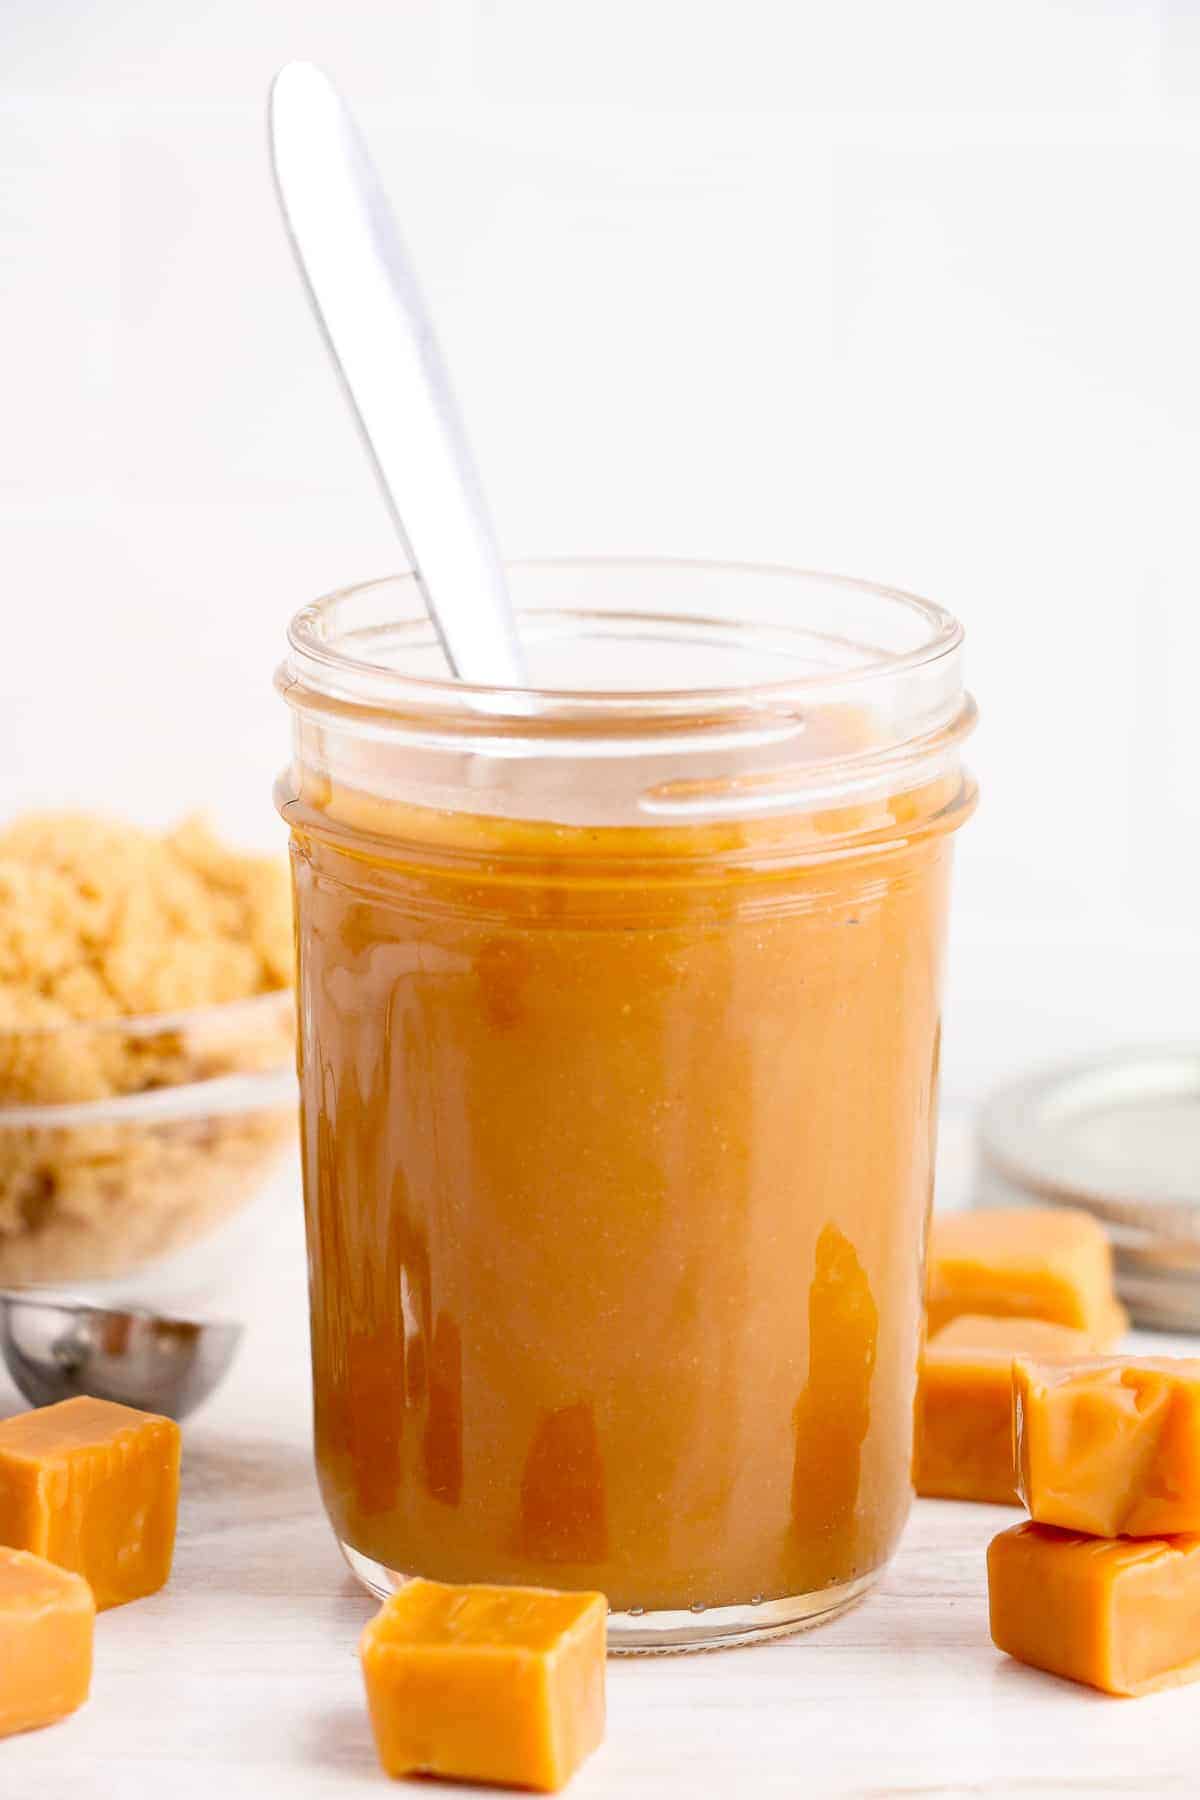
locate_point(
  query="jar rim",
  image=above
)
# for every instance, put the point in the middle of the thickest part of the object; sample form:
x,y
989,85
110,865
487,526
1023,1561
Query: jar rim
x,y
320,670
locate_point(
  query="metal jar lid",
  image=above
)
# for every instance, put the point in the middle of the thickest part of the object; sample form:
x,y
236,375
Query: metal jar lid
x,y
1118,1136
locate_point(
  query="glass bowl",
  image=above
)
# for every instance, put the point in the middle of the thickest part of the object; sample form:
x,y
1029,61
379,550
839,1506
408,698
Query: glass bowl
x,y
131,1149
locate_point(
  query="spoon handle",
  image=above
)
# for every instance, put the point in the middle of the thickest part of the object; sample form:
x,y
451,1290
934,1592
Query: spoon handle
x,y
367,300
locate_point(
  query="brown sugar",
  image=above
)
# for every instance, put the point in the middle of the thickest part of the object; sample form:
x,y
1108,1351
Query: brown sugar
x,y
100,919
120,949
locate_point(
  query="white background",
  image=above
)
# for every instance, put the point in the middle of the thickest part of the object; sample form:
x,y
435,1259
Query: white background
x,y
910,291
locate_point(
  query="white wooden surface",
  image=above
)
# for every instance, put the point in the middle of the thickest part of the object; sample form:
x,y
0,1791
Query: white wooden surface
x,y
241,1680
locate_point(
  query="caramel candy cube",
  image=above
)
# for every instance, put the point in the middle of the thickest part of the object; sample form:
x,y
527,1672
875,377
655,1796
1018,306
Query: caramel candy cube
x,y
93,1487
1033,1262
1121,1614
964,1435
46,1621
486,1683
1110,1446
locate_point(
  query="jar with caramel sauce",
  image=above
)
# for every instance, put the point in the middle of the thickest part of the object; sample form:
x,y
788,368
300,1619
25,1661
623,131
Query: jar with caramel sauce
x,y
619,1011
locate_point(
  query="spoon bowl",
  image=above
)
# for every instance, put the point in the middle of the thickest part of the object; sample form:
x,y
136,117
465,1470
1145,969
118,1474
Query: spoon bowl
x,y
56,1348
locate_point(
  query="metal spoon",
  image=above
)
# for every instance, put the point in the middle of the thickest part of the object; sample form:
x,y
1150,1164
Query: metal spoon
x,y
368,303
57,1348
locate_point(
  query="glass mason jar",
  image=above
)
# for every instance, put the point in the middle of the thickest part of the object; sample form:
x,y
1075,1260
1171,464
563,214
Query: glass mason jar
x,y
619,1018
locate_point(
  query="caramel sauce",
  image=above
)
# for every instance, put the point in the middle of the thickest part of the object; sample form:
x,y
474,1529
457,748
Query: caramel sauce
x,y
618,1156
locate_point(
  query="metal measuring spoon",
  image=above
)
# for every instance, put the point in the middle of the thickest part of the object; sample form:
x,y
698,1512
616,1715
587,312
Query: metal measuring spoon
x,y
368,303
56,1349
